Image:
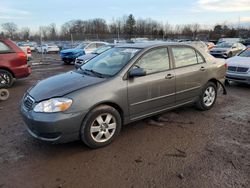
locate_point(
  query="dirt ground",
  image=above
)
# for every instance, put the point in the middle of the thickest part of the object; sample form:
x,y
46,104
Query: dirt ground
x,y
193,148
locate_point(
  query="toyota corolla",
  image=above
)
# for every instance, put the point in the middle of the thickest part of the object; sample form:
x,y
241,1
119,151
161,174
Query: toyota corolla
x,y
124,84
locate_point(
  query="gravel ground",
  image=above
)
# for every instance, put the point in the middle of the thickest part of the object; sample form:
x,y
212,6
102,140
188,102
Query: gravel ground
x,y
192,149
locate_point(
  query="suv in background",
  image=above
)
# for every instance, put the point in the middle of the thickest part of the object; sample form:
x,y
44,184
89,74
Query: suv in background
x,y
13,63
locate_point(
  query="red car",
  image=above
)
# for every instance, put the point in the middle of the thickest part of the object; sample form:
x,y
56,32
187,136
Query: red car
x,y
13,63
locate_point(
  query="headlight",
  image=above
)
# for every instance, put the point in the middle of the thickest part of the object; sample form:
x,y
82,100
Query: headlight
x,y
53,105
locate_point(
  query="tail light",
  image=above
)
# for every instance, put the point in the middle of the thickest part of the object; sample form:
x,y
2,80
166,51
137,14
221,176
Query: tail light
x,y
225,65
28,51
22,55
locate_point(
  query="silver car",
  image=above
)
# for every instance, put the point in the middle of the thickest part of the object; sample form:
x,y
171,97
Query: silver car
x,y
227,50
124,84
239,67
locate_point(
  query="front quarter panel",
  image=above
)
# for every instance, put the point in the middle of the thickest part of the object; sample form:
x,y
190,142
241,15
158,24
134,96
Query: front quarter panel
x,y
111,91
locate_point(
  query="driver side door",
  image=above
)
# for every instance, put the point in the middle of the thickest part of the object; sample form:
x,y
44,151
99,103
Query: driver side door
x,y
150,94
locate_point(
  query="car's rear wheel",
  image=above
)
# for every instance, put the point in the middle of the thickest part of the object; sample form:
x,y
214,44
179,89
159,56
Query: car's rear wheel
x,y
6,79
101,126
207,97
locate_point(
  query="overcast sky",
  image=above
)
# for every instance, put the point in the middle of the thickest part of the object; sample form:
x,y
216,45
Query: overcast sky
x,y
33,13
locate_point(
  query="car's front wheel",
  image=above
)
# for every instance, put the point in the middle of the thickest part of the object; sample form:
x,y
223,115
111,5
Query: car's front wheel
x,y
207,97
101,126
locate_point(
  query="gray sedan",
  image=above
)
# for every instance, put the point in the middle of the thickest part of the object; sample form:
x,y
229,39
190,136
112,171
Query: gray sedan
x,y
124,84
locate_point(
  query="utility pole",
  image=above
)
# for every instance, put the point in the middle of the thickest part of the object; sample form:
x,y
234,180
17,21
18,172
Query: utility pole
x,y
239,28
72,41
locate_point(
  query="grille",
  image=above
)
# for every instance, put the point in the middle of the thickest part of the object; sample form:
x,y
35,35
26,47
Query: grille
x,y
28,102
237,69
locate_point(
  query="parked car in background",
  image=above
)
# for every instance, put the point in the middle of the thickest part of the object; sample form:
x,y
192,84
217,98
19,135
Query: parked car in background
x,y
13,63
226,50
246,42
85,58
239,67
210,45
229,40
47,48
69,55
31,45
124,84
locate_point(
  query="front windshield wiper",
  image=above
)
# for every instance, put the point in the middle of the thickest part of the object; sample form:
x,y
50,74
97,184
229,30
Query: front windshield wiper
x,y
97,73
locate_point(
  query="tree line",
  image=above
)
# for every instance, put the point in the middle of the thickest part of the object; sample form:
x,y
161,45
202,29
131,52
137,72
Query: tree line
x,y
126,27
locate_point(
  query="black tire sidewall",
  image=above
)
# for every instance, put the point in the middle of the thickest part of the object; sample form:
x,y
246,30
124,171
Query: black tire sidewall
x,y
85,134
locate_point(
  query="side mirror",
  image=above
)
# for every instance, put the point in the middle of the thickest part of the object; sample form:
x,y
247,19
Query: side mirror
x,y
137,72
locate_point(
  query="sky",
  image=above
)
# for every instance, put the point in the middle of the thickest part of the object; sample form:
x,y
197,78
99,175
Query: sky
x,y
35,13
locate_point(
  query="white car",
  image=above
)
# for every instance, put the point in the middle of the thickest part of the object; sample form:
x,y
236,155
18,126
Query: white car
x,y
92,46
239,67
47,48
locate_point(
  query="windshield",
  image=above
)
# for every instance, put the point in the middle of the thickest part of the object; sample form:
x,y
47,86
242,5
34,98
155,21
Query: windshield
x,y
245,53
110,62
102,49
82,45
224,45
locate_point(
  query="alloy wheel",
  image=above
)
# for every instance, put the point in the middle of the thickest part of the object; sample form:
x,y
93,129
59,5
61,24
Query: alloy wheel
x,y
103,127
209,96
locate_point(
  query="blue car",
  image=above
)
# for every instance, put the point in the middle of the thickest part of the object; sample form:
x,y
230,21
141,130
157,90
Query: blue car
x,y
69,55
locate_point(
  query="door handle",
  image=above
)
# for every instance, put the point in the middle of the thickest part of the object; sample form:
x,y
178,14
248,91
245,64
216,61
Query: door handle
x,y
169,76
202,69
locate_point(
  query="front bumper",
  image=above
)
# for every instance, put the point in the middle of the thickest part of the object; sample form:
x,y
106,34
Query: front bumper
x,y
53,127
242,78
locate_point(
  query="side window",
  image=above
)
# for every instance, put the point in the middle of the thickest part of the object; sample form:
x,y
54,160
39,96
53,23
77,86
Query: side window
x,y
93,45
4,48
99,45
200,59
184,56
154,61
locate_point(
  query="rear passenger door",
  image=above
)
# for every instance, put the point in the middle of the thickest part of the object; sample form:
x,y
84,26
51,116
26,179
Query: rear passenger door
x,y
190,72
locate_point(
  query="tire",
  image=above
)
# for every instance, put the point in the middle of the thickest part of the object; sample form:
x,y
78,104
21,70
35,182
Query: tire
x,y
4,94
95,132
66,62
6,79
227,83
207,97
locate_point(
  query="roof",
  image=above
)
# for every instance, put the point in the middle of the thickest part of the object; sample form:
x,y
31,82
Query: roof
x,y
146,44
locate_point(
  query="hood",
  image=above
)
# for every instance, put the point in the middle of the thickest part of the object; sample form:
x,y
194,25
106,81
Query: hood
x,y
72,50
61,85
219,49
238,61
87,57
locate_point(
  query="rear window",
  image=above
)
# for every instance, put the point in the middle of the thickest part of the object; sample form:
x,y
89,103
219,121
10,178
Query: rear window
x,y
4,48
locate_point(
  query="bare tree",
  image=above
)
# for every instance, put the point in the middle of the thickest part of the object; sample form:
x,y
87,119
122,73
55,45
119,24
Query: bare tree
x,y
24,33
10,28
